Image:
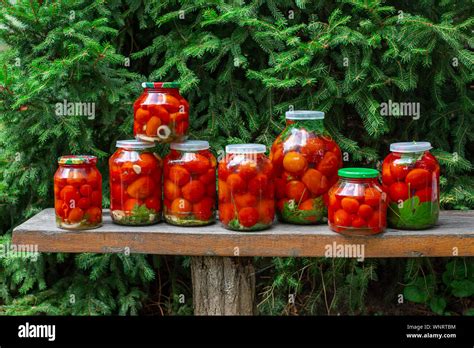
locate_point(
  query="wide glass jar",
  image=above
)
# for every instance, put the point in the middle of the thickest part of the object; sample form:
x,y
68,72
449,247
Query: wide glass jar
x,y
161,114
78,193
135,183
357,203
246,188
190,184
305,161
410,175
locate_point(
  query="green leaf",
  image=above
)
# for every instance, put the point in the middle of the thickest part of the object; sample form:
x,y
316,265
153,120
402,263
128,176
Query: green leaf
x,y
462,288
413,214
415,294
437,305
292,214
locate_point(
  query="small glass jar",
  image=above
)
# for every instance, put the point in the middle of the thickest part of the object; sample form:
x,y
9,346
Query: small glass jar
x,y
305,161
190,184
410,176
135,184
357,203
78,193
246,188
161,114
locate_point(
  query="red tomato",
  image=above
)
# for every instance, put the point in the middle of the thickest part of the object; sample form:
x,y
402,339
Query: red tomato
x,y
131,203
266,210
208,178
424,194
61,209
313,179
128,172
342,218
329,164
203,210
223,171
386,174
365,211
248,216
84,203
418,178
226,212
193,191
296,190
171,190
258,184
96,198
334,202
398,191
142,188
245,200
308,205
75,215
86,190
198,164
153,203
350,205
372,196
313,150
147,162
94,215
224,191
236,183
142,116
179,175
247,170
280,186
358,222
399,171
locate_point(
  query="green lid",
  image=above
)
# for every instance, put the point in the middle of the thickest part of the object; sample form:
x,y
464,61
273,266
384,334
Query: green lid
x,y
161,84
358,173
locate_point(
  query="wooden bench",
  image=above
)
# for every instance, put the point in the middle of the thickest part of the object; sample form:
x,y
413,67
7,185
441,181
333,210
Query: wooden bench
x,y
223,274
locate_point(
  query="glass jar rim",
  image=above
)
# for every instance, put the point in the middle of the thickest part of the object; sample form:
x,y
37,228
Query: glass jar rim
x,y
134,144
245,148
410,147
190,145
358,173
304,115
161,84
77,159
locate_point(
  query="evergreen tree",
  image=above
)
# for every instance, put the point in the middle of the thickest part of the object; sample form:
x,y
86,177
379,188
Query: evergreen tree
x,y
239,62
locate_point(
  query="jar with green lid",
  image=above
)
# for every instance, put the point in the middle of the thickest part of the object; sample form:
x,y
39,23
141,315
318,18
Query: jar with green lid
x,y
357,203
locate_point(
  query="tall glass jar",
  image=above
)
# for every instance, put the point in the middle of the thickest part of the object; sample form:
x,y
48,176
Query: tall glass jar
x,y
305,160
78,193
161,114
357,203
190,184
135,183
246,188
410,175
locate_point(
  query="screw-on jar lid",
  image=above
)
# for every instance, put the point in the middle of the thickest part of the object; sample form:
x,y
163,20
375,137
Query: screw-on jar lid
x,y
358,173
161,84
245,148
190,145
134,144
304,115
408,147
77,159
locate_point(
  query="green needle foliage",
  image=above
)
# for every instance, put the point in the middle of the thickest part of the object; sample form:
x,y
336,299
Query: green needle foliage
x,y
240,63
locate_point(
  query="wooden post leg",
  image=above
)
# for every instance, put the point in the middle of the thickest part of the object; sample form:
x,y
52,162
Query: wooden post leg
x,y
223,285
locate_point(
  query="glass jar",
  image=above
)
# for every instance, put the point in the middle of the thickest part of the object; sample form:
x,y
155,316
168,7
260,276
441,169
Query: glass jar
x,y
357,203
135,183
190,184
161,114
78,193
305,161
246,188
410,175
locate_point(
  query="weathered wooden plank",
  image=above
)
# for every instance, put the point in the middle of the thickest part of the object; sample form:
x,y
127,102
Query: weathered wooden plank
x,y
454,236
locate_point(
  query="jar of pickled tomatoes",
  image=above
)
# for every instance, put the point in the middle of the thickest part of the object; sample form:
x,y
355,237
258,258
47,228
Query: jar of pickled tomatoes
x,y
78,193
246,188
135,183
357,203
305,161
190,184
161,114
410,175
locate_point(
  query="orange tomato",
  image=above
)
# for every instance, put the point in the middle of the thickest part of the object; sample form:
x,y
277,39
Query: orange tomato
x,y
171,190
365,211
222,171
351,205
329,164
59,207
193,191
179,175
342,218
224,191
418,178
131,203
236,183
245,200
266,211
386,174
334,202
142,116
248,216
294,162
147,162
296,190
152,126
142,187
313,181
75,215
181,207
